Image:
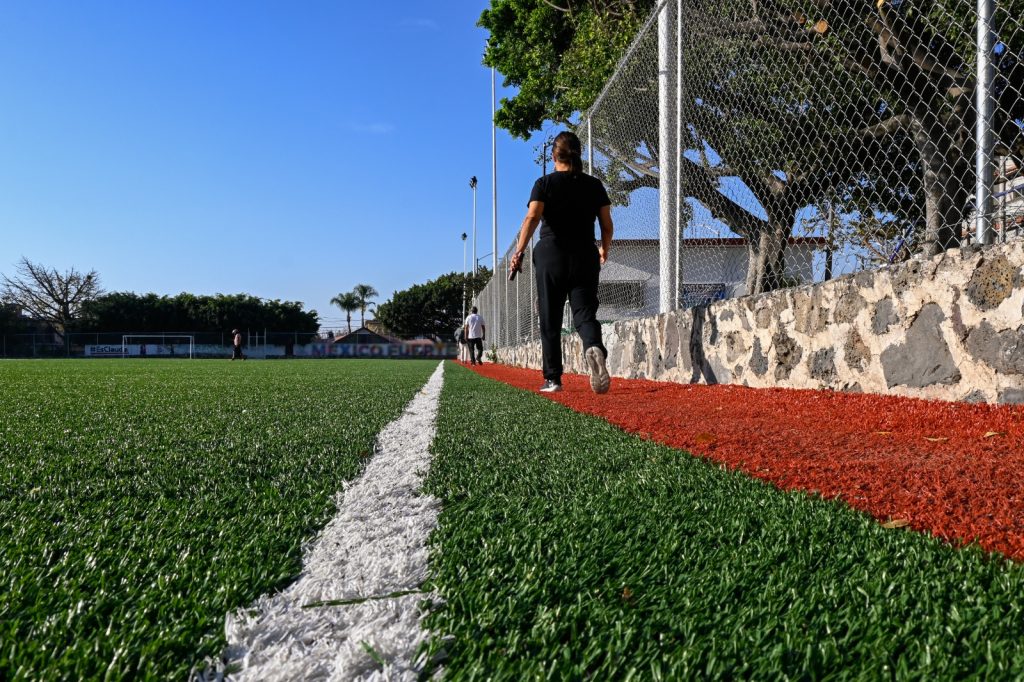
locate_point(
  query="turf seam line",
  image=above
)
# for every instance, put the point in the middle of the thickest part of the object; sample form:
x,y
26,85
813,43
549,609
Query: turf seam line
x,y
376,544
360,600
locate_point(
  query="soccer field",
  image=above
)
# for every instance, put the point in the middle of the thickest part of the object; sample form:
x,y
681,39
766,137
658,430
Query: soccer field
x,y
572,550
142,502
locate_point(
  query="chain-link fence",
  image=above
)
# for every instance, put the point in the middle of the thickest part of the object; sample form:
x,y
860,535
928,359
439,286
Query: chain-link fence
x,y
750,146
187,344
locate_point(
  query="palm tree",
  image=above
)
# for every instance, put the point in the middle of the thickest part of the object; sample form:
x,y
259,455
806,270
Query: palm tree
x,y
349,303
365,294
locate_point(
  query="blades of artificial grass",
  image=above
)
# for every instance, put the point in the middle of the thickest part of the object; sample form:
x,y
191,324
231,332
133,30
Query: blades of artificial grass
x,y
569,549
140,501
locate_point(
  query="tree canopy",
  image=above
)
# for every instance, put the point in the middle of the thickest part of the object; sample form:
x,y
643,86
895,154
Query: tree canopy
x,y
349,303
861,109
43,293
558,54
141,313
433,309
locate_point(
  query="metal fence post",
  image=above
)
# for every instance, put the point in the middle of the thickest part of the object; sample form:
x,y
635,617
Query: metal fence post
x,y
983,132
590,148
519,334
667,165
677,198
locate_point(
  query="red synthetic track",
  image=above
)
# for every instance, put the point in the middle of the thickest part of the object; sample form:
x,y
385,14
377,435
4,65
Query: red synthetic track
x,y
952,469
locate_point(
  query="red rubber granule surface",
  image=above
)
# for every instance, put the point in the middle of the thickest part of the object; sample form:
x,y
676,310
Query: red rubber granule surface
x,y
952,469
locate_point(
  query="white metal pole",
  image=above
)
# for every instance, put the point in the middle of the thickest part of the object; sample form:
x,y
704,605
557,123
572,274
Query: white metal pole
x,y
463,275
462,320
474,227
677,158
516,329
983,132
494,179
667,166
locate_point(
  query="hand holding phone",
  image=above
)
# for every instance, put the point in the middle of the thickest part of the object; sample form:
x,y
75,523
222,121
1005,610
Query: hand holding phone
x,y
515,267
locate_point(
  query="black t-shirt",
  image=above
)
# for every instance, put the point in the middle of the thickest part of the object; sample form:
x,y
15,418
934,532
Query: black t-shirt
x,y
571,202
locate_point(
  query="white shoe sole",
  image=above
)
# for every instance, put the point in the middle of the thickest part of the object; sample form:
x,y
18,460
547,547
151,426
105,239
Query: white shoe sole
x,y
599,379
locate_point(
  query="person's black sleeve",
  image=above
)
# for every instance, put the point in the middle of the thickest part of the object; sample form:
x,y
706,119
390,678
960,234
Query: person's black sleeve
x,y
601,195
539,192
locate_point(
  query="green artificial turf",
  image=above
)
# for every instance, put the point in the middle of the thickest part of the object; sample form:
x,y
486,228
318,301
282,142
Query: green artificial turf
x,y
142,500
568,549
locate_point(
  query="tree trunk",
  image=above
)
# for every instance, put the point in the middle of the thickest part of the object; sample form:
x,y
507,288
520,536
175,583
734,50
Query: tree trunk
x,y
766,257
943,195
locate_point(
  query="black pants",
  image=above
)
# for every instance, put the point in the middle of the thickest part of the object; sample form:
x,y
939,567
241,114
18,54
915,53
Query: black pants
x,y
476,350
566,271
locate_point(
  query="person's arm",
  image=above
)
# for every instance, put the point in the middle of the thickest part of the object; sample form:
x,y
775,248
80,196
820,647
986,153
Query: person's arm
x,y
604,218
483,331
530,222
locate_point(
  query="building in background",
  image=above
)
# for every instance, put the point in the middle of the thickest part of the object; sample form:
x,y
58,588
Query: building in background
x,y
710,270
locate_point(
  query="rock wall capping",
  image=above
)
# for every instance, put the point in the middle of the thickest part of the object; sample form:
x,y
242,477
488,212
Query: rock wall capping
x,y
947,328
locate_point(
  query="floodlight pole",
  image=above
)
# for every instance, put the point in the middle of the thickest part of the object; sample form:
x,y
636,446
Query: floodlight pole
x,y
494,193
472,186
463,275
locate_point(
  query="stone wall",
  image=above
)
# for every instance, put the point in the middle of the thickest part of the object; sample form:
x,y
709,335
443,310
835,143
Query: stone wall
x,y
949,328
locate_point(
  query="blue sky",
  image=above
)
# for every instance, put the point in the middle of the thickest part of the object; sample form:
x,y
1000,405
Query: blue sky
x,y
286,150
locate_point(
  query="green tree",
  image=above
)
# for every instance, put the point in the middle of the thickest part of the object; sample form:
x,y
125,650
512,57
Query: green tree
x,y
558,54
349,303
433,309
866,107
920,56
365,293
145,313
11,319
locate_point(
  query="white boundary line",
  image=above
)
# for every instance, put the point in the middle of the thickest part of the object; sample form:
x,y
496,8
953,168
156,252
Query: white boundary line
x,y
375,546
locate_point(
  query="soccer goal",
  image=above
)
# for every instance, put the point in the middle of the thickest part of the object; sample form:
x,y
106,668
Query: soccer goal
x,y
157,345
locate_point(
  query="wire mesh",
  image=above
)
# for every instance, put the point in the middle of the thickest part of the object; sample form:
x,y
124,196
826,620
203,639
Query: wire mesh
x,y
750,145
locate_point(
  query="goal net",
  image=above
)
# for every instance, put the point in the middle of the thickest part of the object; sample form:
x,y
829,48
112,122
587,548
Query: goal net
x,y
157,345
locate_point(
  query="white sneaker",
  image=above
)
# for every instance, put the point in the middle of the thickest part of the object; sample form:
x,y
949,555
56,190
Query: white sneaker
x,y
550,387
599,379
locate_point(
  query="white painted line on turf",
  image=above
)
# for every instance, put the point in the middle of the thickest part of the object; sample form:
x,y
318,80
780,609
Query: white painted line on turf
x,y
375,546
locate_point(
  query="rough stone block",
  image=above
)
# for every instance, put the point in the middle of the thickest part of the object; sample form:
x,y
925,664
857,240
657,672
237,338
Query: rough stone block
x,y
1002,351
924,359
885,316
735,346
1011,396
823,365
850,303
993,282
856,352
865,279
787,354
758,360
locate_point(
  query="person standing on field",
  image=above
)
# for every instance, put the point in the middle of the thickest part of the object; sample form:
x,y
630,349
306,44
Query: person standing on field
x,y
475,332
567,262
236,345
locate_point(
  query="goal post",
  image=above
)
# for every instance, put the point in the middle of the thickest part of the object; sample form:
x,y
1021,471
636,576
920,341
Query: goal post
x,y
163,345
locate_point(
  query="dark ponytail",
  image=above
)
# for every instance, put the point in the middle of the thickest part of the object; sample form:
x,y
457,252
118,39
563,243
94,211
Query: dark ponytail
x,y
568,149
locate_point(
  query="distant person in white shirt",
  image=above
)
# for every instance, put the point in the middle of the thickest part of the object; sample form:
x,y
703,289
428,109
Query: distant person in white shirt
x,y
476,332
236,345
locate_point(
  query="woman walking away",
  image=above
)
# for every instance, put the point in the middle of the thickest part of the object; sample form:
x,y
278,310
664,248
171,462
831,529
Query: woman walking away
x,y
566,203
